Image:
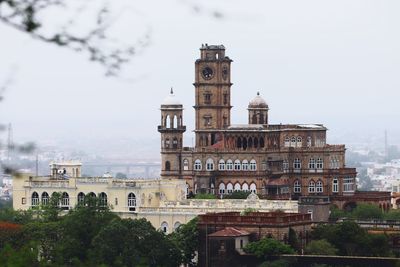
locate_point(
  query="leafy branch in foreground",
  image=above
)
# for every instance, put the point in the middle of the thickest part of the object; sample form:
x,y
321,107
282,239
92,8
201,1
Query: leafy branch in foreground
x,y
27,16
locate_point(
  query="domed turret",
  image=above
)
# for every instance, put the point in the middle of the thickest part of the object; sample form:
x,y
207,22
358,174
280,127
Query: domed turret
x,y
258,110
258,102
171,100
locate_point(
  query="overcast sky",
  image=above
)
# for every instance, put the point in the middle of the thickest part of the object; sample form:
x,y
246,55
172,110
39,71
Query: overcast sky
x,y
331,62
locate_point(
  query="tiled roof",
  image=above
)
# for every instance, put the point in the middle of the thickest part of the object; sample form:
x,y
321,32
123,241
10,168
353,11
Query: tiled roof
x,y
229,231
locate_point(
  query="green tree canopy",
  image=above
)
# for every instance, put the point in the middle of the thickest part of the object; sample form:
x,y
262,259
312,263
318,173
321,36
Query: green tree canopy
x,y
268,247
320,247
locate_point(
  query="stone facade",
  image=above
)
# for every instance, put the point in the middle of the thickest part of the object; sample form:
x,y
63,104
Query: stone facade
x,y
278,161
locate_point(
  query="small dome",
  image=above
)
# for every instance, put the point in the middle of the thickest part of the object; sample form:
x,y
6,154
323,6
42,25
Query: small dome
x,y
258,102
171,100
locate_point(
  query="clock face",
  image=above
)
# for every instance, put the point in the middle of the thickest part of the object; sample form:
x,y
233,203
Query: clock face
x,y
207,73
225,72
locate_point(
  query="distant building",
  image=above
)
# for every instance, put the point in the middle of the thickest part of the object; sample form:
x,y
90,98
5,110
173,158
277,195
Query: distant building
x,y
278,161
224,235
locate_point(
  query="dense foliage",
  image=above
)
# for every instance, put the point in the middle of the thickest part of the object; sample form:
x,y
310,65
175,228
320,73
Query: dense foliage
x,y
89,235
268,247
364,212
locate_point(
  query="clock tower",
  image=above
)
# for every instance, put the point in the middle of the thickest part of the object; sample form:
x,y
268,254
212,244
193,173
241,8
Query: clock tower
x,y
213,94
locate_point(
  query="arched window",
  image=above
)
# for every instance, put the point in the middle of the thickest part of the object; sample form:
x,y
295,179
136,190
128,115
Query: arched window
x,y
167,143
299,141
309,141
35,199
261,118
311,164
253,165
175,143
335,185
212,188
297,164
320,187
250,142
168,122
92,195
285,165
237,165
210,164
245,187
197,165
81,198
255,142
164,227
262,142
239,142
221,188
103,199
245,165
311,187
45,198
244,143
229,188
297,187
287,141
65,200
293,141
175,122
167,166
131,202
221,165
176,225
253,188
185,165
237,187
254,119
320,164
229,165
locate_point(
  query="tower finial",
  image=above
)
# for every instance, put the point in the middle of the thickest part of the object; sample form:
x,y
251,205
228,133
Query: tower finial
x,y
172,90
258,93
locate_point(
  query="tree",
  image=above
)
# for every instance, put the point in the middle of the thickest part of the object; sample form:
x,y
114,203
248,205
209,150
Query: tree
x,y
293,240
268,247
320,247
186,238
27,16
367,211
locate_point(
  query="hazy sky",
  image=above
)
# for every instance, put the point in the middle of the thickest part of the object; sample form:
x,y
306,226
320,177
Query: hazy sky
x,y
332,62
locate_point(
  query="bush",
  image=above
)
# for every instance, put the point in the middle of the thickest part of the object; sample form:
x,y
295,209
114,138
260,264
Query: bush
x,y
268,247
320,247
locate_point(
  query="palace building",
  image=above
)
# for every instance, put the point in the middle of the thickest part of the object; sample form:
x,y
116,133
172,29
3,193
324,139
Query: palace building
x,y
278,161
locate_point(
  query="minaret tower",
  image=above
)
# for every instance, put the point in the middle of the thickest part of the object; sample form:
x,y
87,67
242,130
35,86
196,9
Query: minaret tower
x,y
171,130
213,94
258,110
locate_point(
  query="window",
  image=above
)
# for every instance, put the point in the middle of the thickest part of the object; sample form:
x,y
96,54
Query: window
x,y
293,141
297,187
245,165
287,141
35,199
103,199
285,165
237,165
81,198
175,143
229,188
221,188
197,165
245,187
116,202
253,188
65,200
221,165
320,164
311,164
225,99
23,201
164,227
167,143
309,141
176,225
209,164
299,141
297,164
207,120
320,187
207,98
348,184
185,165
167,166
229,165
334,163
253,165
131,202
311,187
45,198
264,166
335,185
237,187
